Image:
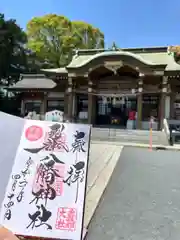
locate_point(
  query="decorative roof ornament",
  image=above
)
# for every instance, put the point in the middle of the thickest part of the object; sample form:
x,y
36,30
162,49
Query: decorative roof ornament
x,y
114,47
113,66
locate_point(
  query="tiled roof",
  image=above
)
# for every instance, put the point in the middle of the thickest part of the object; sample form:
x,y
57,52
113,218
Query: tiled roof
x,y
159,58
150,56
83,60
172,66
152,59
33,82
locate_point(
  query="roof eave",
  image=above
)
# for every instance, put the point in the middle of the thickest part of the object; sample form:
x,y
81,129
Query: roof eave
x,y
28,89
60,71
171,72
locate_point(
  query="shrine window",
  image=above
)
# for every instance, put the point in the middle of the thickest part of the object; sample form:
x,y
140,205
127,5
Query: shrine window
x,y
55,105
82,103
104,108
32,106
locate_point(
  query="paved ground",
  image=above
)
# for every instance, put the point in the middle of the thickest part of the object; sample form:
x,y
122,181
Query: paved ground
x,y
175,147
142,200
103,159
124,135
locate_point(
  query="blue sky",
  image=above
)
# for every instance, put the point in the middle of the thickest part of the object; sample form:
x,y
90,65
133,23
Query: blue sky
x,y
129,23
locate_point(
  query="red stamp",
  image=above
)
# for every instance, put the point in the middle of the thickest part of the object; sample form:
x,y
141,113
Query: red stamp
x,y
33,133
58,186
66,219
58,183
49,176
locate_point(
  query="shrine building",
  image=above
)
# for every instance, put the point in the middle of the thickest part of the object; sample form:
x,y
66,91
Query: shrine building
x,y
100,85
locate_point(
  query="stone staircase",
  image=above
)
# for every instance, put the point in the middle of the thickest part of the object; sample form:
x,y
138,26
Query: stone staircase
x,y
124,136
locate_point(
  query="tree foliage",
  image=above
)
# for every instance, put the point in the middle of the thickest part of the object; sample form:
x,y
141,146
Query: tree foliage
x,y
13,57
86,36
175,51
53,37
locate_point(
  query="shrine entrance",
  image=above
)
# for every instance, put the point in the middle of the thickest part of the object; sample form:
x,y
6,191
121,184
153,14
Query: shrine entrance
x,y
116,95
114,111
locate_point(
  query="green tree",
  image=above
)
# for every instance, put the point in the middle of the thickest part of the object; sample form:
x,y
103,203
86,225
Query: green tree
x,y
175,52
12,54
86,36
52,38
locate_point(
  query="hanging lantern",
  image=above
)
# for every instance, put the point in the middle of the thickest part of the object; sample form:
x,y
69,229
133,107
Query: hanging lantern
x,y
114,101
123,101
133,91
104,100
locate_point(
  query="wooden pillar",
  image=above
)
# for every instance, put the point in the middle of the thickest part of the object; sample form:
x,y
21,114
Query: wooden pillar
x,y
70,106
66,97
163,100
22,107
172,101
91,99
44,104
75,103
91,108
94,109
139,104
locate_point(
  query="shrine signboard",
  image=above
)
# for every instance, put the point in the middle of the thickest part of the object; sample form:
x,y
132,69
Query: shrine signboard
x,y
45,194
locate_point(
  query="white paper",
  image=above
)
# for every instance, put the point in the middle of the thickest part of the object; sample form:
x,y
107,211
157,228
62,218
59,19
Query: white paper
x,y
55,116
46,189
10,133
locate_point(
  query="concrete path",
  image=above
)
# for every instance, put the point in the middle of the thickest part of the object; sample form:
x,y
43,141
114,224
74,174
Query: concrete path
x,y
142,200
139,145
103,159
124,135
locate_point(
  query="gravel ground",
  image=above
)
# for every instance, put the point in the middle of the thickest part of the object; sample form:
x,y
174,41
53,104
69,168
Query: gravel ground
x,y
142,200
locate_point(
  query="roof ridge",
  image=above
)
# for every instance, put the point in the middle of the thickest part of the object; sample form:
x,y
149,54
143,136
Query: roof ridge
x,y
31,75
80,52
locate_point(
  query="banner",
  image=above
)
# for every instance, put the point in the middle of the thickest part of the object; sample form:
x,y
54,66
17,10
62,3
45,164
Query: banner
x,y
45,195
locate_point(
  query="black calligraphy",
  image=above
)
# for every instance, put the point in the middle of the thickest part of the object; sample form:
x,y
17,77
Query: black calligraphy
x,y
45,177
43,188
40,218
55,140
8,206
75,174
23,181
79,142
15,177
18,181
